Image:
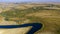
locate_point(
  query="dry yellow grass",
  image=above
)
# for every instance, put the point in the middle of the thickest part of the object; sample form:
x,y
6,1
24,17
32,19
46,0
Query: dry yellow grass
x,y
49,18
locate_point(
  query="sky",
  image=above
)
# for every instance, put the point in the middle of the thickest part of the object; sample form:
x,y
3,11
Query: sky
x,y
29,0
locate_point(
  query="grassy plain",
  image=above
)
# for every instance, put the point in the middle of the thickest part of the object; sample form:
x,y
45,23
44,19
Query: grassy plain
x,y
47,14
